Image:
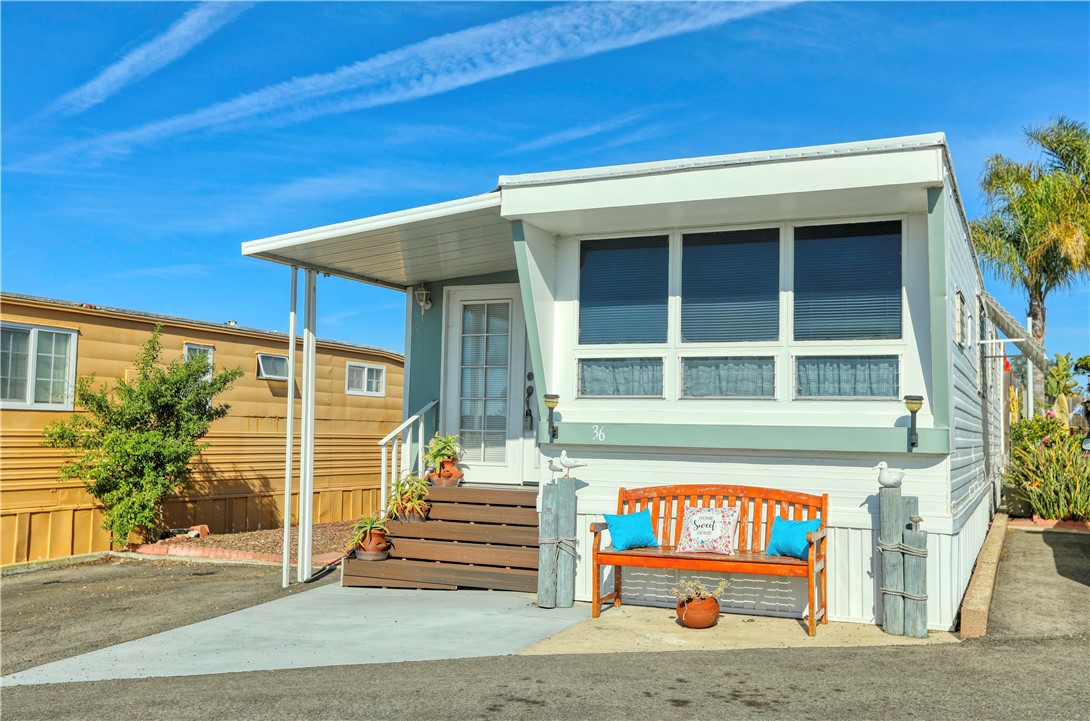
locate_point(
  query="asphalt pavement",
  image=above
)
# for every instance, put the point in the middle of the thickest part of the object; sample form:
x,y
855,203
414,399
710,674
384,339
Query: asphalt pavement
x,y
1022,670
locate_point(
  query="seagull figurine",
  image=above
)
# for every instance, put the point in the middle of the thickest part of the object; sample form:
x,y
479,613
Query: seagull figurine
x,y
568,463
888,479
554,467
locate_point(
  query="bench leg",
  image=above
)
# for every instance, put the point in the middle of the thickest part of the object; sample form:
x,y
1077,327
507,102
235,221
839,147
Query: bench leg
x,y
617,586
596,591
811,583
824,596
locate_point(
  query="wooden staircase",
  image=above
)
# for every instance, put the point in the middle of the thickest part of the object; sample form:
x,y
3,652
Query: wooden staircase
x,y
475,537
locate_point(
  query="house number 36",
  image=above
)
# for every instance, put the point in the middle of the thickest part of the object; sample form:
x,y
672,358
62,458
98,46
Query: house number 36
x,y
599,433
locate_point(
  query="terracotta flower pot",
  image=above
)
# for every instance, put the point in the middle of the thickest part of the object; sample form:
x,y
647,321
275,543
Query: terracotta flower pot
x,y
410,517
374,547
698,612
448,474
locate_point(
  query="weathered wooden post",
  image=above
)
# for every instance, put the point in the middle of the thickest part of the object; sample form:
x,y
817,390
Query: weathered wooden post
x,y
914,550
566,542
889,544
547,544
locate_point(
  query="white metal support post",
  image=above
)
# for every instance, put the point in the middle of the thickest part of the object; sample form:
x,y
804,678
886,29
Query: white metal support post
x,y
306,451
289,451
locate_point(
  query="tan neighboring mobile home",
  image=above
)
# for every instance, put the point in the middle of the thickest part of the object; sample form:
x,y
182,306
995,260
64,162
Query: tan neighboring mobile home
x,y
239,482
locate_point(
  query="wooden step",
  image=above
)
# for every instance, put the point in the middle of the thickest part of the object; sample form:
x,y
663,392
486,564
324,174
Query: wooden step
x,y
419,574
468,532
477,554
509,515
516,496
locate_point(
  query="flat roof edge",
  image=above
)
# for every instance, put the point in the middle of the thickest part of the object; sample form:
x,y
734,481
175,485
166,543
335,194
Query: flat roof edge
x,y
867,147
421,213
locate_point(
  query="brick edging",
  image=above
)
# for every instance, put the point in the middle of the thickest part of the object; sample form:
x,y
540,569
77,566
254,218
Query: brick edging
x,y
977,602
178,550
1041,524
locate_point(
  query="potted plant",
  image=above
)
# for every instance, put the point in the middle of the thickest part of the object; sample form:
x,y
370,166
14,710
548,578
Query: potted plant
x,y
369,538
442,457
407,498
697,607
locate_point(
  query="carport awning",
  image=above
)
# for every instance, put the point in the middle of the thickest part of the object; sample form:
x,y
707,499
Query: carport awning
x,y
434,242
1018,333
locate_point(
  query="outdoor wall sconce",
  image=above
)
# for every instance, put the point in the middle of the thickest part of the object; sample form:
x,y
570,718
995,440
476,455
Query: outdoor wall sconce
x,y
913,404
423,298
551,399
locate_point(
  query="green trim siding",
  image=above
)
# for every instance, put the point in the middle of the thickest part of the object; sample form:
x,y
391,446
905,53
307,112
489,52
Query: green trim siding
x,y
933,441
533,337
936,279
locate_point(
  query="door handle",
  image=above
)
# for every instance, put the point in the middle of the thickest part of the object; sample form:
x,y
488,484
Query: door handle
x,y
528,416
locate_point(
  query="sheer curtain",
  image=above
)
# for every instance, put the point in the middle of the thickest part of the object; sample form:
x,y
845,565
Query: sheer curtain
x,y
728,377
620,377
858,377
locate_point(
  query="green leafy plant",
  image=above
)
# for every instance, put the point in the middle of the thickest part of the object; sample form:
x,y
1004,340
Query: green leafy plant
x,y
692,589
1053,476
133,444
377,521
1029,432
408,495
1060,379
441,447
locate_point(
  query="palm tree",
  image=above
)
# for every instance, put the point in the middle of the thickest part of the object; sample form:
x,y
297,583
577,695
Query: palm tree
x,y
1036,233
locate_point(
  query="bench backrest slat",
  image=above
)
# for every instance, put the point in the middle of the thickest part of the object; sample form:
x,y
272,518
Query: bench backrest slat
x,y
757,507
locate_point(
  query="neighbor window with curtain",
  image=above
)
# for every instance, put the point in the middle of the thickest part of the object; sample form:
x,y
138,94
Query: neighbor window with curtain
x,y
37,367
730,286
623,290
848,281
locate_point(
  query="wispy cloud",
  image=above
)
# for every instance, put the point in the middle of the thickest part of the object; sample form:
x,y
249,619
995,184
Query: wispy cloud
x,y
434,66
181,37
580,132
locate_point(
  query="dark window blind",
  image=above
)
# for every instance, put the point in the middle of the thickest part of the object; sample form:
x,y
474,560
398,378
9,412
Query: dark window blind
x,y
623,289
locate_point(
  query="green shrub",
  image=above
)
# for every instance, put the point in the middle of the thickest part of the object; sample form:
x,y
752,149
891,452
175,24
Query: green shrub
x,y
1029,432
1054,477
134,442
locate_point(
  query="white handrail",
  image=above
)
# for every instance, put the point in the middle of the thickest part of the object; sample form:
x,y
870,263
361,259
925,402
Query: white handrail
x,y
393,462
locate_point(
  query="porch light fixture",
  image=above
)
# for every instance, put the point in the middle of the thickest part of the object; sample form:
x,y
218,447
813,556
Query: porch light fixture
x,y
913,404
423,298
551,399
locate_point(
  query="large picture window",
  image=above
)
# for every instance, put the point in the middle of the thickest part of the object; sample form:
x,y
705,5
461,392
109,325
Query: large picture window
x,y
730,286
623,290
37,367
848,281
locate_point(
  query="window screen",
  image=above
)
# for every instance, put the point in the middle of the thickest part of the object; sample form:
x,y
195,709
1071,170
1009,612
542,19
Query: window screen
x,y
623,288
848,281
848,377
730,283
728,377
620,377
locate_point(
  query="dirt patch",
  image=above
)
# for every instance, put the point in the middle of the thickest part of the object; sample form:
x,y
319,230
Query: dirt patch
x,y
55,613
327,538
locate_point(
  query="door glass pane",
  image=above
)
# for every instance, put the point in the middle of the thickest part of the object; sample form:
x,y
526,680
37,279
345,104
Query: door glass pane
x,y
485,360
14,346
51,367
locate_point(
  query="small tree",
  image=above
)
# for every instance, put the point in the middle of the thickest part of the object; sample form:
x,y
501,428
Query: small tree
x,y
134,443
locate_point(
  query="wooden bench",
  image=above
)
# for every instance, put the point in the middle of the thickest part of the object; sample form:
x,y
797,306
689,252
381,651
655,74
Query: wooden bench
x,y
757,509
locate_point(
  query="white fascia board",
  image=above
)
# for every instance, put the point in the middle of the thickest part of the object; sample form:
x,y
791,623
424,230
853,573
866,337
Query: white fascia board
x,y
910,142
362,226
921,166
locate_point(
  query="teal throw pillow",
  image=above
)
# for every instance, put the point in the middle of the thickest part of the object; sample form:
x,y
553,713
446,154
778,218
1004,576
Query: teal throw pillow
x,y
631,530
789,537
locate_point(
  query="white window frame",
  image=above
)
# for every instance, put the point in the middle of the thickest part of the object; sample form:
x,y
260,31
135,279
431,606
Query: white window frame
x,y
785,348
32,359
188,349
381,393
262,375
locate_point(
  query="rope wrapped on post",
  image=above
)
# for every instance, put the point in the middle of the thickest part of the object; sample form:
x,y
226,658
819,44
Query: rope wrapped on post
x,y
567,544
901,548
904,594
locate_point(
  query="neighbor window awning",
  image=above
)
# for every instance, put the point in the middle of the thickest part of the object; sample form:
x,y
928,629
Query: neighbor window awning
x,y
458,238
1018,333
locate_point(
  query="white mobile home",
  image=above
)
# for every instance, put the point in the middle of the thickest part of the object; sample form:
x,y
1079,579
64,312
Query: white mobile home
x,y
753,319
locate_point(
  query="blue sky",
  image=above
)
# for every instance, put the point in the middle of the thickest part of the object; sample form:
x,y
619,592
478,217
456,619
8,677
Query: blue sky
x,y
143,142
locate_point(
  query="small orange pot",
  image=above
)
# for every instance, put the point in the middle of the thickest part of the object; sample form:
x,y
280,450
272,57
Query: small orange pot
x,y
698,612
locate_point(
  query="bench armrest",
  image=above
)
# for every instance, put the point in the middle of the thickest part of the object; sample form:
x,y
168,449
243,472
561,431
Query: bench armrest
x,y
598,527
816,535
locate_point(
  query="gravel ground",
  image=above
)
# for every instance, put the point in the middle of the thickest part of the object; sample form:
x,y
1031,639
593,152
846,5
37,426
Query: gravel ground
x,y
328,537
54,613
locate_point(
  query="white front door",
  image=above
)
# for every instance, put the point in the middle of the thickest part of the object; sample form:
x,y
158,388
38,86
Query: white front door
x,y
484,380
